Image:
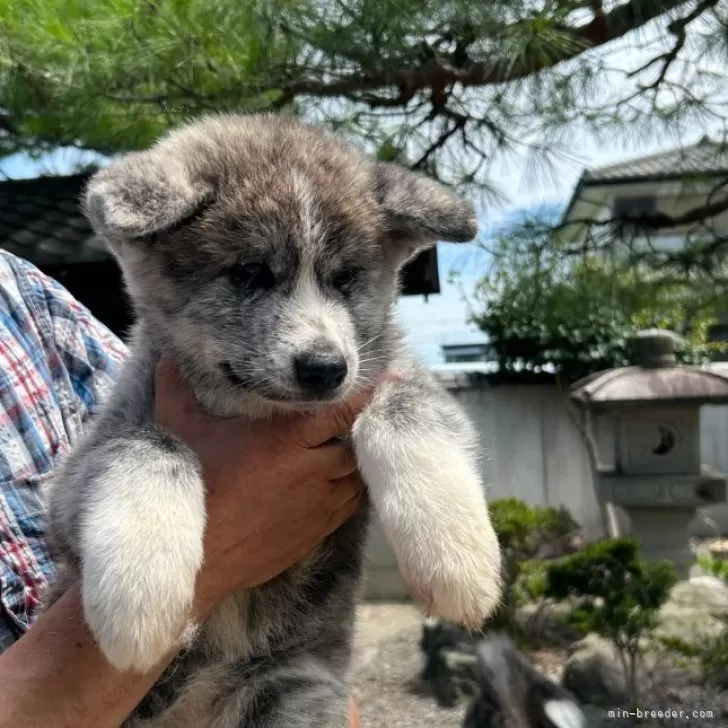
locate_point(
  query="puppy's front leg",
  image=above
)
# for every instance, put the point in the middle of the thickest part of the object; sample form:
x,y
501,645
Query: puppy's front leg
x,y
141,533
415,449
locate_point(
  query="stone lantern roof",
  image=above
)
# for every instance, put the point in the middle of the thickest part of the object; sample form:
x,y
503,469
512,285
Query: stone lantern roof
x,y
655,378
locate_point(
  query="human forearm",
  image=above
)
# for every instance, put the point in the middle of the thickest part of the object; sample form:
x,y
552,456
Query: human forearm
x,y
56,677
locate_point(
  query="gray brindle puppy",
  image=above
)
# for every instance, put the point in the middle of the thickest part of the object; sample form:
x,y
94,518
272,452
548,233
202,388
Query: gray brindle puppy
x,y
262,257
514,693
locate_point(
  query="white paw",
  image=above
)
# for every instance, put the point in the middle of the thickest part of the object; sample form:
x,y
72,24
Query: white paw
x,y
137,626
432,508
141,549
458,578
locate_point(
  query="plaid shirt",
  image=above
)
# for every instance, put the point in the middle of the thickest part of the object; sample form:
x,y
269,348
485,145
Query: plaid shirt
x,y
56,363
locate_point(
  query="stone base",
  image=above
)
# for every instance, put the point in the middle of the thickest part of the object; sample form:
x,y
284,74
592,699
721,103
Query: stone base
x,y
663,533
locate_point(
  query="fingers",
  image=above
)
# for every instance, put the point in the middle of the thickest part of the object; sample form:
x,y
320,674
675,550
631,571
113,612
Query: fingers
x,y
174,401
348,494
347,489
335,460
316,429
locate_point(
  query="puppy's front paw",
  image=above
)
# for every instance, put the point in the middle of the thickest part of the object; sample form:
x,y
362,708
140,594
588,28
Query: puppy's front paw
x,y
432,508
142,617
141,549
459,581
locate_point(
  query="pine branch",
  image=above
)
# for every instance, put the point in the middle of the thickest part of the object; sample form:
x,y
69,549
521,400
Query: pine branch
x,y
678,29
435,74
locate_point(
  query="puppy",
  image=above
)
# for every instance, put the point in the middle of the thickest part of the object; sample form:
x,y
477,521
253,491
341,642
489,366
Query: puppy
x,y
515,694
262,257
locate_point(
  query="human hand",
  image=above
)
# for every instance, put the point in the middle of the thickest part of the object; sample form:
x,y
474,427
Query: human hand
x,y
275,488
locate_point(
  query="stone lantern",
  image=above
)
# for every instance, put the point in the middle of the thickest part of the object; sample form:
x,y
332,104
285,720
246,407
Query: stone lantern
x,y
644,420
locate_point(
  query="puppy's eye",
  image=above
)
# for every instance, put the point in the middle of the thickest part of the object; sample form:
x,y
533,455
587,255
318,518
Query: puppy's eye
x,y
344,279
252,276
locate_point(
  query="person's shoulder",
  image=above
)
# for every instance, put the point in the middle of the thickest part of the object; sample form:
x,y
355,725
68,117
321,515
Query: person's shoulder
x,y
61,327
24,314
17,278
26,290
14,265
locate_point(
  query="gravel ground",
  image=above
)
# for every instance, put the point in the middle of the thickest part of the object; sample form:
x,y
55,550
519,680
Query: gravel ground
x,y
388,661
387,664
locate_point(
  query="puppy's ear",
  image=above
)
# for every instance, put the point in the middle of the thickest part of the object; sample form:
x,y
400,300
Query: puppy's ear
x,y
420,212
141,194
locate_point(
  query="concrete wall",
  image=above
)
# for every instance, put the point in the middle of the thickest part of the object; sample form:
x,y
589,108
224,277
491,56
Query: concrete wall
x,y
532,450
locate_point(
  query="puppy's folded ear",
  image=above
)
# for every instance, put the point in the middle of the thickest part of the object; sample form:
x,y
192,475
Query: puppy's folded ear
x,y
420,212
141,194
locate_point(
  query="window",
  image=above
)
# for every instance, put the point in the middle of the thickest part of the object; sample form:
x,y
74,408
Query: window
x,y
633,215
643,206
460,353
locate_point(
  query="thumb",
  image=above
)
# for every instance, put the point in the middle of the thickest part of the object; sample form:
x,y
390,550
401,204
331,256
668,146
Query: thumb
x,y
318,428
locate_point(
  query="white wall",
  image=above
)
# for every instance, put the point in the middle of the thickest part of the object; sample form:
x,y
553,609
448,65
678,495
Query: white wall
x,y
532,450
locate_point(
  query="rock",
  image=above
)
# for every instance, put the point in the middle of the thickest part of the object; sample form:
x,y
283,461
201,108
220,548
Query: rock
x,y
594,714
593,673
696,607
706,593
437,635
720,679
458,678
450,663
560,546
547,622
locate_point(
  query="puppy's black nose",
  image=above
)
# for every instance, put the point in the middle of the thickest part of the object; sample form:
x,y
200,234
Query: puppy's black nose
x,y
320,373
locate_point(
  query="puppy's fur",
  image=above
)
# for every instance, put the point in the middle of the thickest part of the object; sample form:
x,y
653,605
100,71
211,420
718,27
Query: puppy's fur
x,y
247,243
514,694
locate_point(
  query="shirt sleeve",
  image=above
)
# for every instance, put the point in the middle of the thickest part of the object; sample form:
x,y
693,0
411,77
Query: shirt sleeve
x,y
57,366
90,354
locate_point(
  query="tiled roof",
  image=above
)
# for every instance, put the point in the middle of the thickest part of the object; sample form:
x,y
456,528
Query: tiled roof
x,y
40,221
704,157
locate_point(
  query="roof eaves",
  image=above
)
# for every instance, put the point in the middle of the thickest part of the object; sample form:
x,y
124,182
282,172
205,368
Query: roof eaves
x,y
588,180
593,181
583,181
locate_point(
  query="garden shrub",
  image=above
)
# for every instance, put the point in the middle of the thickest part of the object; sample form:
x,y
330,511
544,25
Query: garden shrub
x,y
618,595
522,531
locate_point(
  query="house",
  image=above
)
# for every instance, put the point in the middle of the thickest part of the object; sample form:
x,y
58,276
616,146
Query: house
x,y
628,198
670,183
40,221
